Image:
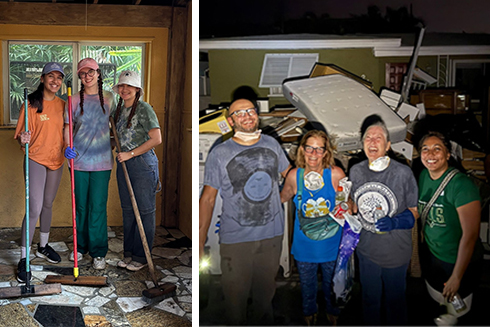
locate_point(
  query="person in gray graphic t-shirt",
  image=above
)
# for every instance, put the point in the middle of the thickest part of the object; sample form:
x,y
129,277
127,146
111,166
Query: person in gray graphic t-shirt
x,y
385,244
245,170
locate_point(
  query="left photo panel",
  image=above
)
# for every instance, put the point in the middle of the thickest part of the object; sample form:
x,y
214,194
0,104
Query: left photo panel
x,y
95,127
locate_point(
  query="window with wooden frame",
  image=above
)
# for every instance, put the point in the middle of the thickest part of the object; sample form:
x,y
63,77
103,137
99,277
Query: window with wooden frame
x,y
27,59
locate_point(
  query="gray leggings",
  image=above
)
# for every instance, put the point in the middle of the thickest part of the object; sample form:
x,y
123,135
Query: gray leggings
x,y
43,186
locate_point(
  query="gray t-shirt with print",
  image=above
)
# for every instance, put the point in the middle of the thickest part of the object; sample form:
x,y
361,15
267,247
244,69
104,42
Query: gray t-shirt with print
x,y
394,189
247,178
143,121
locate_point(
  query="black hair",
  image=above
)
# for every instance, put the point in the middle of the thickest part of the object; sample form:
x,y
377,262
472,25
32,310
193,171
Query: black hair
x,y
36,98
133,108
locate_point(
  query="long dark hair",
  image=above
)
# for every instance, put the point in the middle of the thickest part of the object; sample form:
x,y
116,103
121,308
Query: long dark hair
x,y
36,98
101,93
133,108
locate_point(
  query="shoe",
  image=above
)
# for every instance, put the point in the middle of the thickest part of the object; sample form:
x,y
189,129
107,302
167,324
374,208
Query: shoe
x,y
135,266
446,320
21,271
310,320
99,263
72,256
47,253
124,262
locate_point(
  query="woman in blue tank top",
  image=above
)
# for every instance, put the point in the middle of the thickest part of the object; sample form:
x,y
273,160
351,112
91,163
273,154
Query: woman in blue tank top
x,y
321,178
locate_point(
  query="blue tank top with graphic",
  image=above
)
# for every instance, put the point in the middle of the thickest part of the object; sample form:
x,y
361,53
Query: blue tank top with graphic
x,y
322,200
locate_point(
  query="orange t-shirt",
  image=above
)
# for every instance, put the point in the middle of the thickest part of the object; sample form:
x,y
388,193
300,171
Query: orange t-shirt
x,y
46,145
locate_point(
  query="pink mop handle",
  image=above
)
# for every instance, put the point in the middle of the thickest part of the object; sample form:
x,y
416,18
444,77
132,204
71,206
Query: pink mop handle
x,y
72,174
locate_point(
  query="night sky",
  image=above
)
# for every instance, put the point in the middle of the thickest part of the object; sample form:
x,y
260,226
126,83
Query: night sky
x,y
232,17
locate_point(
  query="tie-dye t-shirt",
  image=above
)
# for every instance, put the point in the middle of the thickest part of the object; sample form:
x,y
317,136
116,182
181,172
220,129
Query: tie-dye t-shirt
x,y
143,121
91,136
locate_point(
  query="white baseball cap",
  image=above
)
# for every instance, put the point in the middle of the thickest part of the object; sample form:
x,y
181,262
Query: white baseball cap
x,y
130,78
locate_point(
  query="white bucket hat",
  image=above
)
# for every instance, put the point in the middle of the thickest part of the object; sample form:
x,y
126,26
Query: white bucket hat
x,y
130,78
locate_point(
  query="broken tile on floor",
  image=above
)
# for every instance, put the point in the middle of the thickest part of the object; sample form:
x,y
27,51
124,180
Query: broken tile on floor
x,y
116,245
50,315
150,317
64,298
170,279
97,301
59,246
168,253
183,272
185,257
187,307
96,321
12,313
130,304
175,233
120,303
169,305
90,311
80,290
185,298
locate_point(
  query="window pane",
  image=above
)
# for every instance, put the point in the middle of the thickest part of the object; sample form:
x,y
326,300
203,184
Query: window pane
x,y
26,62
114,59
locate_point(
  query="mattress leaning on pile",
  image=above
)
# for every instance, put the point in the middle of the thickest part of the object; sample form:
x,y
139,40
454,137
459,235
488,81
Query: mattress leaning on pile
x,y
341,104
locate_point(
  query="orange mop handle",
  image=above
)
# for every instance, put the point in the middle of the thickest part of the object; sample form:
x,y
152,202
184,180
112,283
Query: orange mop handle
x,y
72,174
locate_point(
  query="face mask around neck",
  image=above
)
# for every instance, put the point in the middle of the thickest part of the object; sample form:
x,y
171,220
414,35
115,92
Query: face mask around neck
x,y
248,136
380,164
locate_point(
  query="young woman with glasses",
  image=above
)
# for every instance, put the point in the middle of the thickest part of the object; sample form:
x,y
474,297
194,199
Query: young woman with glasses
x,y
92,154
321,179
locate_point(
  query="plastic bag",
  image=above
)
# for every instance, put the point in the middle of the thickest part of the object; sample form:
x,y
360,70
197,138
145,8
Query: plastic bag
x,y
343,278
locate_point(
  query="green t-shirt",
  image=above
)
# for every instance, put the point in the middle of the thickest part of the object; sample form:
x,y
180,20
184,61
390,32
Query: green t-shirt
x,y
143,121
442,230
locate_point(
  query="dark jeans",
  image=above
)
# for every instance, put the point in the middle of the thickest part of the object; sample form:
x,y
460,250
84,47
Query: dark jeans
x,y
308,275
250,266
437,272
377,281
143,173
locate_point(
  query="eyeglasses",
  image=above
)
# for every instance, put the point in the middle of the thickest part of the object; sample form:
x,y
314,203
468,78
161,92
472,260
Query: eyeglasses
x,y
243,112
309,149
90,73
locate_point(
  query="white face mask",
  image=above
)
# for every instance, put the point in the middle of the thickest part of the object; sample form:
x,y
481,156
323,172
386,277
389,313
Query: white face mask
x,y
248,136
313,181
380,164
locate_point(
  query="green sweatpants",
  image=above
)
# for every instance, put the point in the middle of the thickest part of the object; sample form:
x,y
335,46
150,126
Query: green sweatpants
x,y
91,192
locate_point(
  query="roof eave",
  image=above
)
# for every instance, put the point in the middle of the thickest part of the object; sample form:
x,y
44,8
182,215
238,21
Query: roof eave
x,y
297,44
433,51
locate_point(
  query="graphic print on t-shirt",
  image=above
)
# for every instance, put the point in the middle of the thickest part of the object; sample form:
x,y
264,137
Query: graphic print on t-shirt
x,y
372,195
253,174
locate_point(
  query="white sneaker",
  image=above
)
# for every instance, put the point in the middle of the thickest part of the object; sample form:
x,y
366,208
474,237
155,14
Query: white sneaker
x,y
446,320
124,262
135,266
72,256
99,263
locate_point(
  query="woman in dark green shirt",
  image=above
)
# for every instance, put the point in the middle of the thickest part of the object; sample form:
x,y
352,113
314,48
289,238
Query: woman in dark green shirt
x,y
452,249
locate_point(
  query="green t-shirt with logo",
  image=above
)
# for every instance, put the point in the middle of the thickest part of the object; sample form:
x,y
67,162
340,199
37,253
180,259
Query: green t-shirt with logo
x,y
143,121
442,230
